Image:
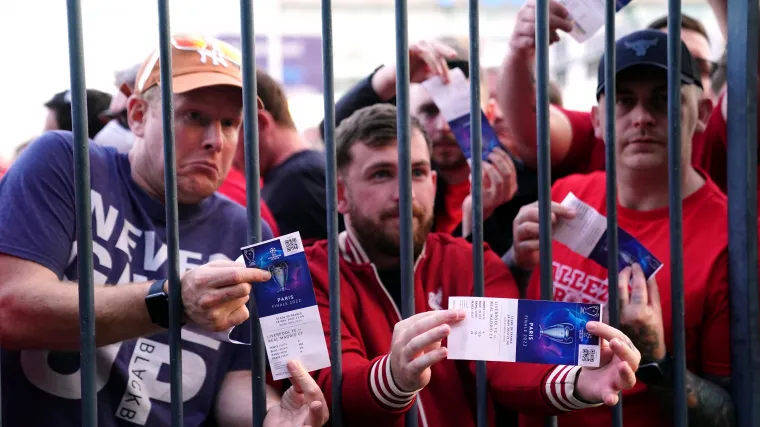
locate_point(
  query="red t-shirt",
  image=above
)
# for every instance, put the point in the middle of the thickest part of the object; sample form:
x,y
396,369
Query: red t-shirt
x,y
234,188
448,220
714,158
587,152
705,256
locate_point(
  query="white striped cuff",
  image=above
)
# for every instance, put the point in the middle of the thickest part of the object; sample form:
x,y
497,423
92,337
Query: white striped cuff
x,y
385,389
560,386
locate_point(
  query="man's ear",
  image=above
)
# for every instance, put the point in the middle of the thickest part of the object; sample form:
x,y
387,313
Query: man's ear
x,y
137,112
596,121
342,200
704,111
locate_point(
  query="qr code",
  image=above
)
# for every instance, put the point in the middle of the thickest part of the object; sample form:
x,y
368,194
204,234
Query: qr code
x,y
589,355
291,244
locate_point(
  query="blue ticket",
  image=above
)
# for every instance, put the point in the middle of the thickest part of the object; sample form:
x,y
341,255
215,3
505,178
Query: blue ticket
x,y
453,100
460,127
586,234
512,330
286,304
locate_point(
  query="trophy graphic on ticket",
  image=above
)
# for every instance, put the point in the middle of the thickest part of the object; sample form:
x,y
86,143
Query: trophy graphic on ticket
x,y
280,275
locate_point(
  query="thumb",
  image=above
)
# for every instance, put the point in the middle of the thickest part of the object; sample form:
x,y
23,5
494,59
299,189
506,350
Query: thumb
x,y
298,375
315,413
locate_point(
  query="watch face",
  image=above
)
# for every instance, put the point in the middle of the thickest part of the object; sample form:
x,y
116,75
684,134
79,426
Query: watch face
x,y
650,374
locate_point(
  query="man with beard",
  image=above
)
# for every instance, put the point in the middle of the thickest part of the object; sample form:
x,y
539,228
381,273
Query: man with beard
x,y
390,363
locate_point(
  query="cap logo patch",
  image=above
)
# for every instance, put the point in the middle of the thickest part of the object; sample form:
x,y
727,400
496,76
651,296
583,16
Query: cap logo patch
x,y
217,51
641,46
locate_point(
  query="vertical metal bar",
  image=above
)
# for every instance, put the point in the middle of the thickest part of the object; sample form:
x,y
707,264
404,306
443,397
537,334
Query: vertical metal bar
x,y
251,138
476,136
544,156
680,414
611,168
84,224
172,226
742,209
331,186
405,173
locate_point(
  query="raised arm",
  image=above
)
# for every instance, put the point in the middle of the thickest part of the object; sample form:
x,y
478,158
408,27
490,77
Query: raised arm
x,y
516,93
426,59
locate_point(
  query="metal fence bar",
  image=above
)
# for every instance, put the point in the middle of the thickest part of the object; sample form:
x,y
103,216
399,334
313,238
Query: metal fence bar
x,y
544,156
680,413
405,173
251,138
331,193
742,209
611,170
476,139
172,216
83,215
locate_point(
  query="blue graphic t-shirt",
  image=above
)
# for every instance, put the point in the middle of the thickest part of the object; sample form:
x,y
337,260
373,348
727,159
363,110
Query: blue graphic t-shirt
x,y
38,217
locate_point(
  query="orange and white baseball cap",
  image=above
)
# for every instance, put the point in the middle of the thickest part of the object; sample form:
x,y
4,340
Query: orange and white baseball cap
x,y
197,61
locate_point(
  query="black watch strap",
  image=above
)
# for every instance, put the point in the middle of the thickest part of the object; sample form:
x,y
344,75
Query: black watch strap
x,y
157,302
658,373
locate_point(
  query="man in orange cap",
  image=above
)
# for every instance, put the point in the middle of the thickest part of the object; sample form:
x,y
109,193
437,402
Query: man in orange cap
x,y
39,324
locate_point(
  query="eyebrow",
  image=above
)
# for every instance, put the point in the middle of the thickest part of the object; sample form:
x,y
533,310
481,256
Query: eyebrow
x,y
380,165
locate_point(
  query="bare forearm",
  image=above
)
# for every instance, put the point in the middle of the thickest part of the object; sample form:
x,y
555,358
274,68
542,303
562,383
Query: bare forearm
x,y
516,96
46,315
709,404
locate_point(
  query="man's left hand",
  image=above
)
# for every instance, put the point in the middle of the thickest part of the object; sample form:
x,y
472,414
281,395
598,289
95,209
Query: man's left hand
x,y
303,404
616,372
641,313
499,187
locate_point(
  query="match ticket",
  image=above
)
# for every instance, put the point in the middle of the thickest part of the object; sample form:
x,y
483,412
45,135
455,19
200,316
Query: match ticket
x,y
586,234
512,330
287,307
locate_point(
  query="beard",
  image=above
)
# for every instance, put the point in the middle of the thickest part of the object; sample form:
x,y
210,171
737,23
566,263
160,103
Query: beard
x,y
372,234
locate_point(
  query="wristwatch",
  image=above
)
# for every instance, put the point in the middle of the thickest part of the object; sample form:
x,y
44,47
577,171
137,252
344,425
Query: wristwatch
x,y
157,302
659,372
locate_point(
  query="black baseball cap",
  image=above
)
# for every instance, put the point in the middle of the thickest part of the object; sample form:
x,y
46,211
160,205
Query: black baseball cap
x,y
648,47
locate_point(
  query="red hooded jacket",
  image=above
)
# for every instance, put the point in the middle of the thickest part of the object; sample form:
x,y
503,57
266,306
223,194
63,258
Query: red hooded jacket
x,y
368,315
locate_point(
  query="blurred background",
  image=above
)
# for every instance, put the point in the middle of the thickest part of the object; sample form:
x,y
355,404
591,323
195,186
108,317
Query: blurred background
x,y
119,34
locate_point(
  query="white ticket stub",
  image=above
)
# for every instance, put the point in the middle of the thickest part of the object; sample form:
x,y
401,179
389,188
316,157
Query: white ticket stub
x,y
588,16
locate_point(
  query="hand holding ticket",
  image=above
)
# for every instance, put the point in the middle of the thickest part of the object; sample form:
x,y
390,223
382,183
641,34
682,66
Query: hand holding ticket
x,y
453,99
586,234
287,306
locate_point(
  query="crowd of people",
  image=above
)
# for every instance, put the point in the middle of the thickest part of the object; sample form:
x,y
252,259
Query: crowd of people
x,y
390,363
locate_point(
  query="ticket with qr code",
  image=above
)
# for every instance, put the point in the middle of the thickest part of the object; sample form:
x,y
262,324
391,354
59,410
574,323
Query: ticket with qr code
x,y
586,235
453,100
287,307
588,16
529,331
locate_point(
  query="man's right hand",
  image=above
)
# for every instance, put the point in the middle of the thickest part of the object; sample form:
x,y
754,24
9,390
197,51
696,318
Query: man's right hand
x,y
416,346
426,59
523,40
525,231
215,294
